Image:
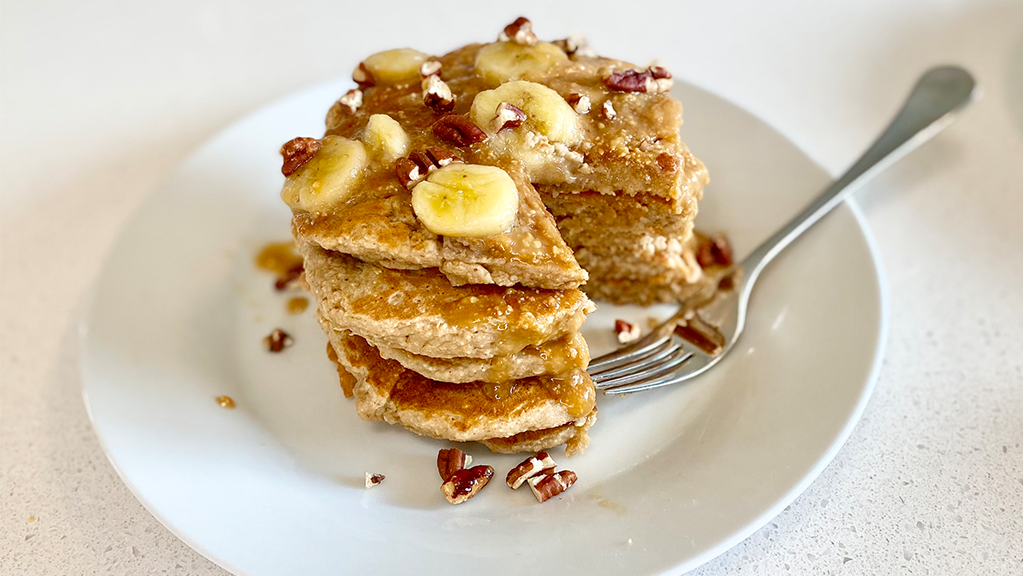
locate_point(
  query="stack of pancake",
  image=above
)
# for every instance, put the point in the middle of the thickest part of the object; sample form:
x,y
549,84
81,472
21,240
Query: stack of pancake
x,y
466,335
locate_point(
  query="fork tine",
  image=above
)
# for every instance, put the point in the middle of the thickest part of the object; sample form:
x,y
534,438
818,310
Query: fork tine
x,y
638,364
680,356
680,373
646,354
629,353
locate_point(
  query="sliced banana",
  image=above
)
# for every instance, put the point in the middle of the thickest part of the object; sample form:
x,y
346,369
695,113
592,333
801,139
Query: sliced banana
x,y
466,200
328,178
546,111
385,137
395,66
503,61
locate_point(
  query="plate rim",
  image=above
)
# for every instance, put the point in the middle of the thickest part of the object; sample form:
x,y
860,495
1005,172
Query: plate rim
x,y
881,286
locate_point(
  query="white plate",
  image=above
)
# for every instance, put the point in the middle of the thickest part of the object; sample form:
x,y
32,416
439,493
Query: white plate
x,y
673,477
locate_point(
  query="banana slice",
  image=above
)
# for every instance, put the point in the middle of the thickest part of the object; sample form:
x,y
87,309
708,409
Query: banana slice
x,y
546,111
466,200
394,66
385,137
328,178
503,61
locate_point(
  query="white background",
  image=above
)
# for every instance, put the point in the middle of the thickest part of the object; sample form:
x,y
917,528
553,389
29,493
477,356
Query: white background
x,y
100,100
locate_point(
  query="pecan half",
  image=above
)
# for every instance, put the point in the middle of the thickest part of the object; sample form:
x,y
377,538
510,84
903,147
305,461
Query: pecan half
x,y
528,469
465,483
409,174
714,251
458,130
277,341
297,152
579,102
507,116
653,80
430,68
351,101
450,461
546,486
519,31
362,76
437,95
371,480
626,332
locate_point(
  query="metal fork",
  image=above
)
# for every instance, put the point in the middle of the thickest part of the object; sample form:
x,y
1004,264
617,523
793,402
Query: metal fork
x,y
702,332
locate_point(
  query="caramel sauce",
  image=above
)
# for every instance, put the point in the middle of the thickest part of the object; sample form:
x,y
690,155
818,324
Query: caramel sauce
x,y
278,258
297,305
225,402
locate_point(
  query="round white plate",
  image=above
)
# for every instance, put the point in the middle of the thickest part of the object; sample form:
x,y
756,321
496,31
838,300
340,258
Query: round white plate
x,y
672,478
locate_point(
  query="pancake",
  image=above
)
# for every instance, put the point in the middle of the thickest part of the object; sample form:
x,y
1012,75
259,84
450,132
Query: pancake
x,y
385,390
419,311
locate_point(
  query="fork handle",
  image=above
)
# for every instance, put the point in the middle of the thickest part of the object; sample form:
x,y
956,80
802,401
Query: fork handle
x,y
932,105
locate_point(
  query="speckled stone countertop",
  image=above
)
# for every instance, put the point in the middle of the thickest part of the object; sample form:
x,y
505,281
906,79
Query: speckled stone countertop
x,y
100,100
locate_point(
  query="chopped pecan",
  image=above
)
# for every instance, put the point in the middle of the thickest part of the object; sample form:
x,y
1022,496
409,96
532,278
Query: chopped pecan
x,y
575,46
458,130
430,68
697,331
519,31
579,102
351,101
528,469
362,76
626,332
546,486
465,483
714,251
371,480
297,152
608,110
422,162
278,340
290,279
437,95
450,461
653,80
507,116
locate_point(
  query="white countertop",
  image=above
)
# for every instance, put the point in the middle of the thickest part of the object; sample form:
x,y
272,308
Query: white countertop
x,y
100,100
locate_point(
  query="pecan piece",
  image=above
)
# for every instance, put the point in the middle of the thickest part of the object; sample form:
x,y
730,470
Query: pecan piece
x,y
528,469
297,152
575,46
669,162
450,461
371,480
653,80
362,76
507,116
608,110
422,162
465,483
437,95
458,130
579,102
520,31
290,279
430,68
351,101
277,341
714,251
626,332
546,486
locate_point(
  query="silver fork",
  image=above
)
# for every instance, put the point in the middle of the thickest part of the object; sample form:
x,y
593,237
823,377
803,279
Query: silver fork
x,y
700,334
